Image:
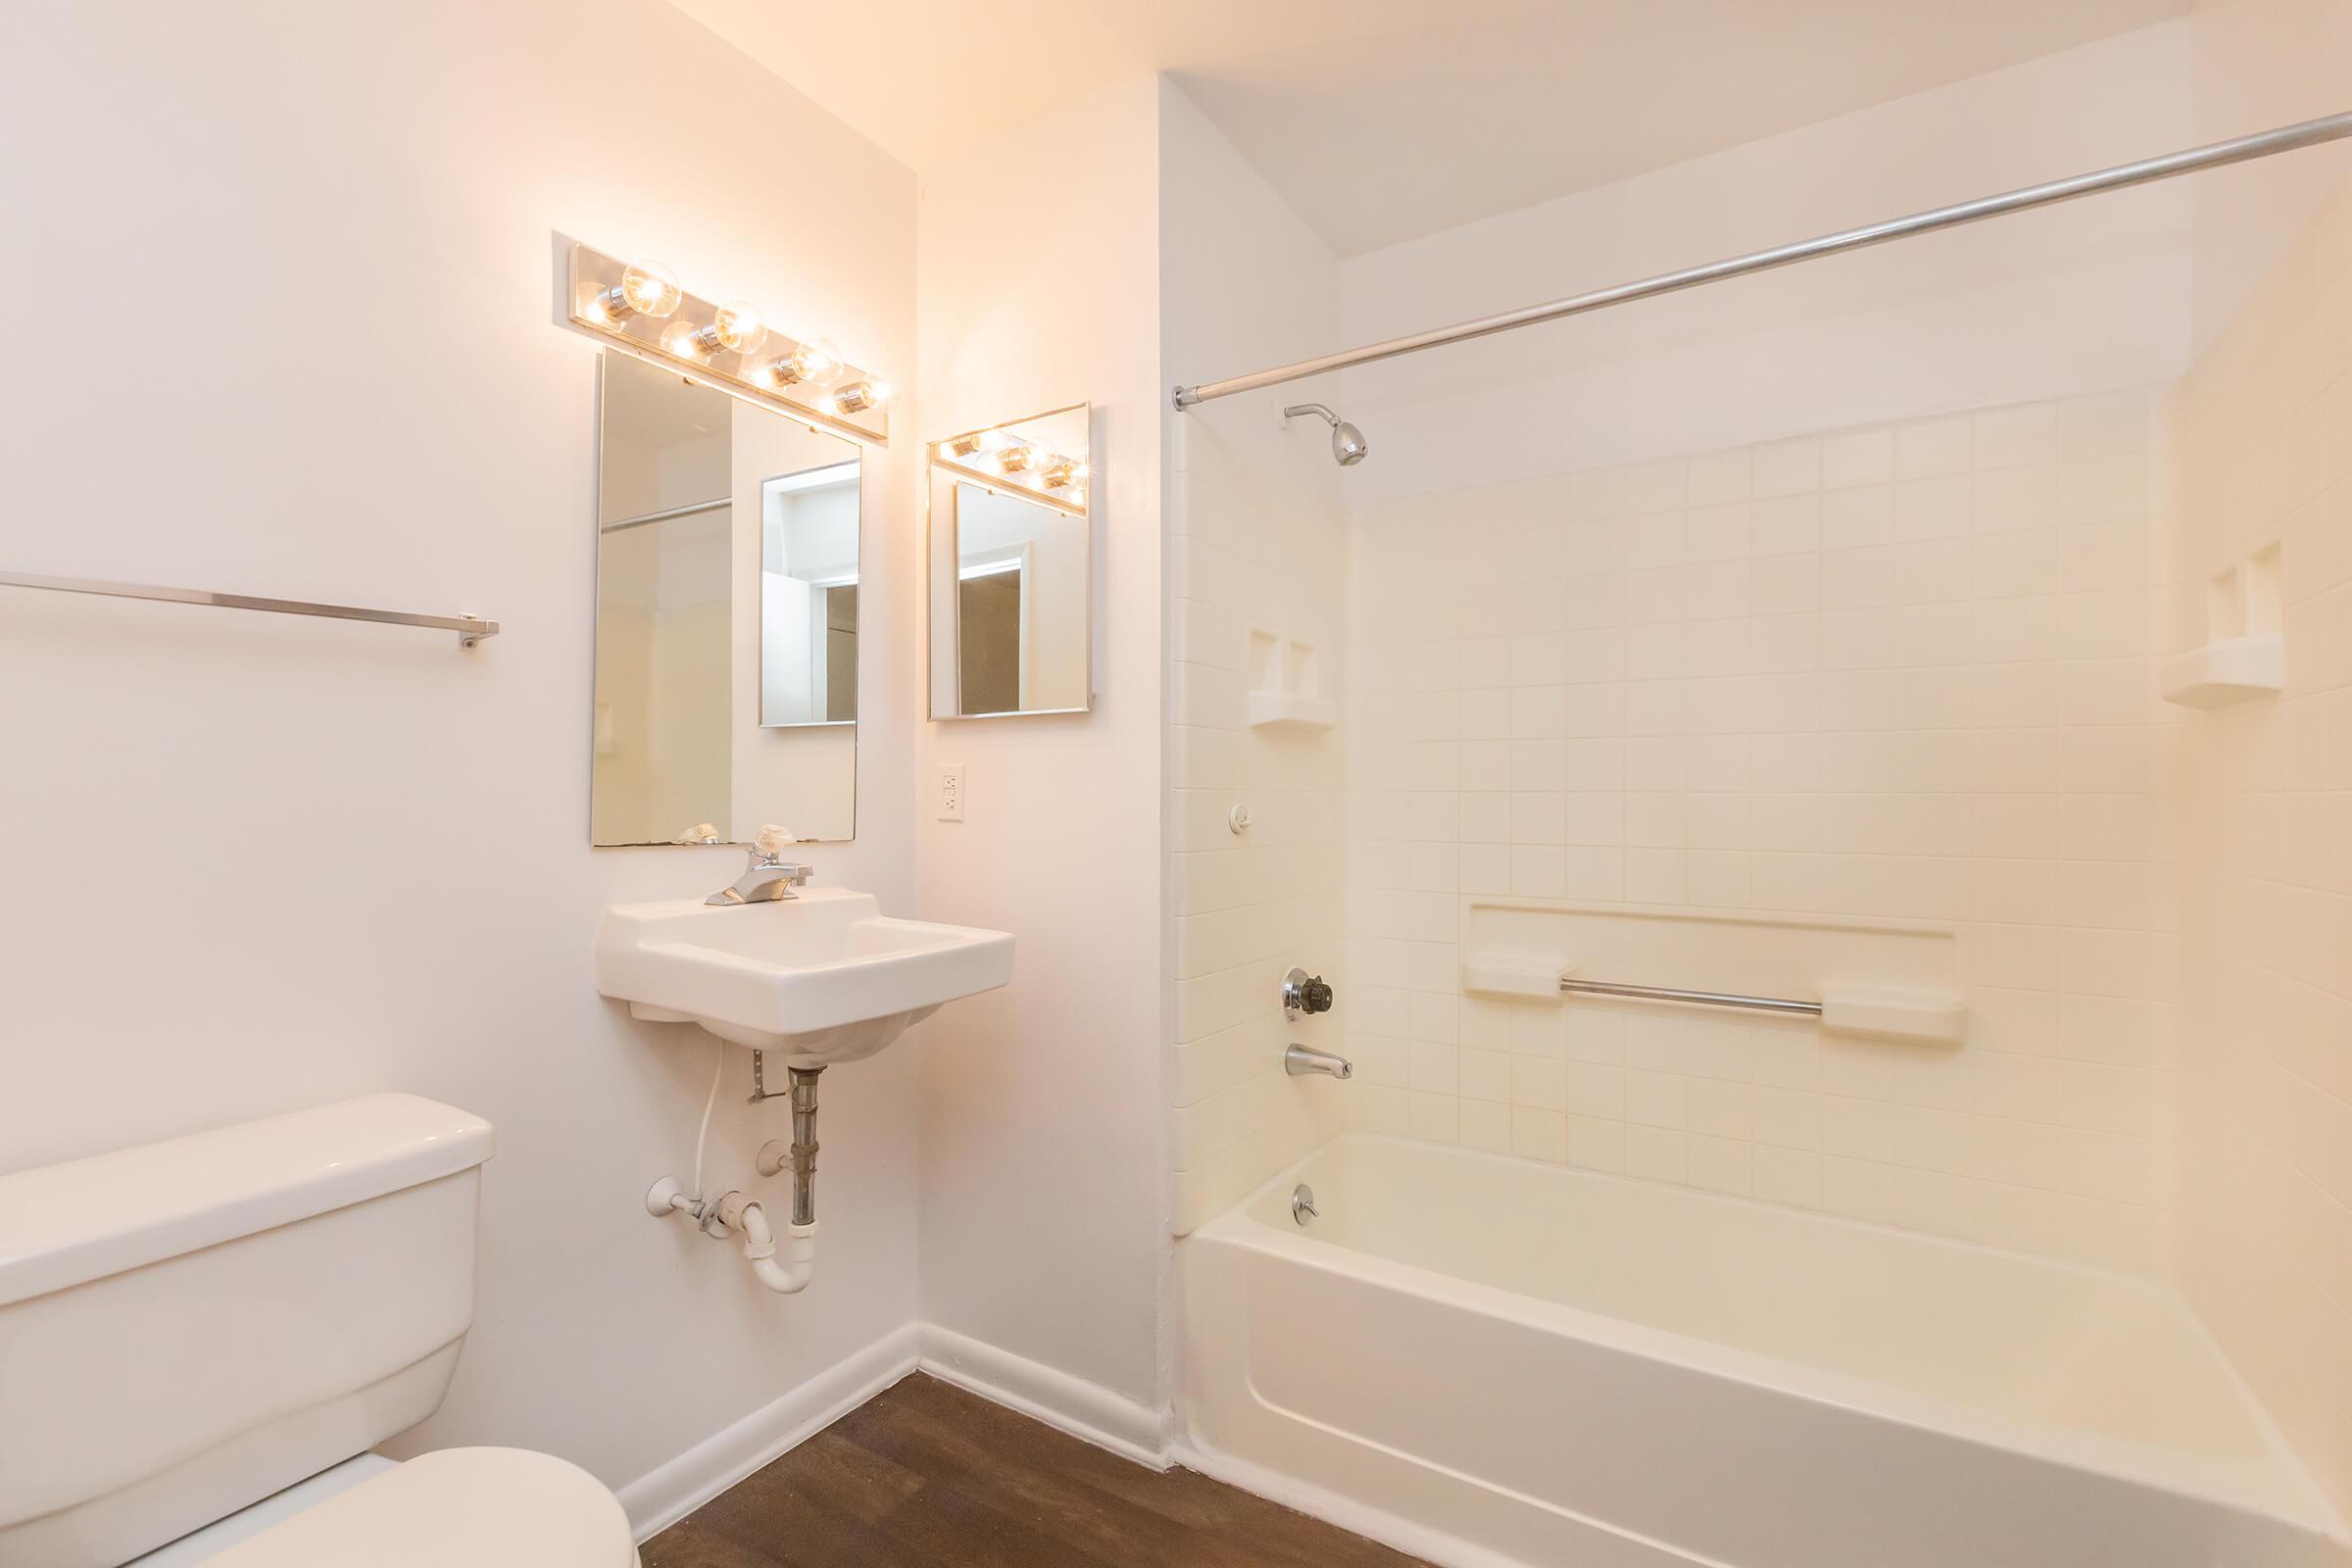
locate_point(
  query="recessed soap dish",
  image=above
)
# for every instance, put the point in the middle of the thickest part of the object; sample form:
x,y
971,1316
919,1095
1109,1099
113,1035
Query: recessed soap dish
x,y
1286,685
2245,653
2222,674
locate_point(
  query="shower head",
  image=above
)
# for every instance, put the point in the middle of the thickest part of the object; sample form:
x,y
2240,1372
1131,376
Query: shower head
x,y
1347,443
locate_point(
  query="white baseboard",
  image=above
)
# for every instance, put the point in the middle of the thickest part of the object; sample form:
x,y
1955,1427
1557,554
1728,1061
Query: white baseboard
x,y
1373,1524
1083,1409
656,1500
662,1497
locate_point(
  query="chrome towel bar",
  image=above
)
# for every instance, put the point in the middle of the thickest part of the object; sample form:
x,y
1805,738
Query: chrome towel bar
x,y
1702,998
470,630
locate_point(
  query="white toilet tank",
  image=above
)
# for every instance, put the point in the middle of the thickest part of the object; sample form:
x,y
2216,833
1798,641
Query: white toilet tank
x,y
188,1326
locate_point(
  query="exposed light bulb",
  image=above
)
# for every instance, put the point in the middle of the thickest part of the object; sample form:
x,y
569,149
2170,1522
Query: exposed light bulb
x,y
816,362
684,339
738,329
651,288
646,288
1021,457
975,442
860,396
1064,473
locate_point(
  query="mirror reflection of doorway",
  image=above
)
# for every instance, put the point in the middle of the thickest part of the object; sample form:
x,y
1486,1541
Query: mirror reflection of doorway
x,y
989,630
1014,614
841,652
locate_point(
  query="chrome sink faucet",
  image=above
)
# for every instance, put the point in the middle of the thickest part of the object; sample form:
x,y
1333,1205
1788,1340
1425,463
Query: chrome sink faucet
x,y
770,877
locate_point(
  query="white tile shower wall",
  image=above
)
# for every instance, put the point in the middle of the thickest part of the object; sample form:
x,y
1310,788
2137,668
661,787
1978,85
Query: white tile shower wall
x,y
2264,436
1252,551
1257,544
1897,672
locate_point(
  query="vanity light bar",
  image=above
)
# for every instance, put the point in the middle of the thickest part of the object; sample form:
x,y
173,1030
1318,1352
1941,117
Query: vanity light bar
x,y
1015,466
638,307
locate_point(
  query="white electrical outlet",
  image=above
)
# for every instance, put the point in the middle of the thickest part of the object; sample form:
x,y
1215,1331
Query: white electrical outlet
x,y
951,792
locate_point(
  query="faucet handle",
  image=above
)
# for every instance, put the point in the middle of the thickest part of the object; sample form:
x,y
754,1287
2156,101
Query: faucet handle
x,y
1304,994
771,843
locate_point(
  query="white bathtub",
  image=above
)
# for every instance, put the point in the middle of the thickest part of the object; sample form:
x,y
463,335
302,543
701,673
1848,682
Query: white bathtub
x,y
1540,1366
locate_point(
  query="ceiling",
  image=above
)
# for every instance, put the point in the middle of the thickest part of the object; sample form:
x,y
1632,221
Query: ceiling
x,y
1383,119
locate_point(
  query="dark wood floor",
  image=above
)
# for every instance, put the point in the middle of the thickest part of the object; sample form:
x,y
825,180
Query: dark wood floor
x,y
927,1474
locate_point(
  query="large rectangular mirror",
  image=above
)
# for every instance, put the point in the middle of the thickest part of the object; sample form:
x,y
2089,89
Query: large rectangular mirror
x,y
726,624
1011,569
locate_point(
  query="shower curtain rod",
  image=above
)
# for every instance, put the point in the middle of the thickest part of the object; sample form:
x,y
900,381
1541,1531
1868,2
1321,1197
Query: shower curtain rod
x,y
2262,145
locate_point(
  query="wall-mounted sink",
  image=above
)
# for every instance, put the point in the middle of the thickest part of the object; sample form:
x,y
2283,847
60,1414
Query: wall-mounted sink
x,y
822,977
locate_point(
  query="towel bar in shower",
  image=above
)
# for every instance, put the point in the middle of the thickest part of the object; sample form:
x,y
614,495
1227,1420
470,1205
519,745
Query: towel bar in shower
x,y
1704,999
1885,1012
470,630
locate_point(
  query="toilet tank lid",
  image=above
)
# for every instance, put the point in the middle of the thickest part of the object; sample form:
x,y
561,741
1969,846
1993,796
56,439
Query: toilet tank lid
x,y
65,1225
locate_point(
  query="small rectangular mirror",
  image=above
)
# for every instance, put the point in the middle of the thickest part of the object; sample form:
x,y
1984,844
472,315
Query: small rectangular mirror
x,y
726,628
1012,568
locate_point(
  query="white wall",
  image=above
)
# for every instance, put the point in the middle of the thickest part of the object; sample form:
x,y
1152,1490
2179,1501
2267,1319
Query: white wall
x,y
1258,543
259,862
1043,1230
2257,65
2266,458
2262,430
2078,299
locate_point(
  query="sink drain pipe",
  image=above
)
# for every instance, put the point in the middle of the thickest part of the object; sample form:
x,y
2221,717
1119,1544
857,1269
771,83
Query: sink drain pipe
x,y
738,1214
799,1267
800,1235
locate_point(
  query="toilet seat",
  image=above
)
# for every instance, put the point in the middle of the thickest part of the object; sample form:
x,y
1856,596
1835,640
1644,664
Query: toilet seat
x,y
454,1508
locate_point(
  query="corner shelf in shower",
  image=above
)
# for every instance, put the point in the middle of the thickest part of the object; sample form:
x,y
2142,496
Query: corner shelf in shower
x,y
1291,710
2245,653
1286,686
2225,673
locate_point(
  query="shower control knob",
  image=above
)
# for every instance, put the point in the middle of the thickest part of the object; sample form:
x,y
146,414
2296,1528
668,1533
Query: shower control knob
x,y
1303,992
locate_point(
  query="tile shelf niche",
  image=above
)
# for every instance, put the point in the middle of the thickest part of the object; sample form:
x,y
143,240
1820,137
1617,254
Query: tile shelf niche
x,y
1286,686
2245,653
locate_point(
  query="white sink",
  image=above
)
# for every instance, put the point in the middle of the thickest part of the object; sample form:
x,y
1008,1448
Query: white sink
x,y
824,978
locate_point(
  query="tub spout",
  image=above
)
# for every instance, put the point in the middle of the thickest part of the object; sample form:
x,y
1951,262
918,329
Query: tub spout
x,y
1301,1060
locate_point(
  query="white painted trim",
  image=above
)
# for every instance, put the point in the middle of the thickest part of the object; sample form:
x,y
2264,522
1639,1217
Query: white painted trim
x,y
660,1498
1104,1418
663,1496
1373,1524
